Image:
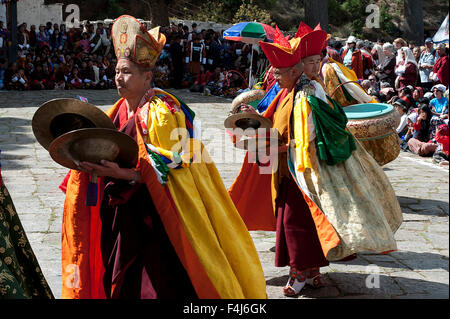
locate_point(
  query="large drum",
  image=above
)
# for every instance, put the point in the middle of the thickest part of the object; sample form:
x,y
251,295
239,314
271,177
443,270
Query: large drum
x,y
374,125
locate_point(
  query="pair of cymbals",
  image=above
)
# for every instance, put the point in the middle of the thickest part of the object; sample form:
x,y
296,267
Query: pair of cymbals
x,y
74,131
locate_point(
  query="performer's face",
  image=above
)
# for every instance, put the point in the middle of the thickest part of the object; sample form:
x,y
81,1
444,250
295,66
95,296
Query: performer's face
x,y
130,81
311,65
286,77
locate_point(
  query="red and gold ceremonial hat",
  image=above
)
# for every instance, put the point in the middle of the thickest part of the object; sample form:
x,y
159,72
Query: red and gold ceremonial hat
x,y
132,41
284,53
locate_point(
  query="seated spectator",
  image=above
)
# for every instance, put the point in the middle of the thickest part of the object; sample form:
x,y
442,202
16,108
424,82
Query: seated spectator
x,y
438,106
87,74
200,81
75,82
417,93
441,138
161,72
38,78
421,135
373,84
402,108
20,80
215,83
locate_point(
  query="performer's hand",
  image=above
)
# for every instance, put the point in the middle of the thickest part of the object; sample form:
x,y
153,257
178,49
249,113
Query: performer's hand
x,y
248,109
107,168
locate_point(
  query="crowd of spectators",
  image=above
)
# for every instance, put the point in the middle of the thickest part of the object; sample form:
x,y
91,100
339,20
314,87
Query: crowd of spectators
x,y
413,78
52,57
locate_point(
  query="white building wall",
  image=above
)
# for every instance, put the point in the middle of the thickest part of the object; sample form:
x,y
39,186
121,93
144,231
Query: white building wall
x,y
35,12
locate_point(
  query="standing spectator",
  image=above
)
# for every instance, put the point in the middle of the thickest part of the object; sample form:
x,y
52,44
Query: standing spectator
x,y
426,64
352,57
399,43
23,41
368,64
332,52
416,53
96,41
193,33
49,28
196,55
406,69
32,36
42,38
64,35
440,70
55,40
4,36
378,54
84,43
176,52
385,71
3,68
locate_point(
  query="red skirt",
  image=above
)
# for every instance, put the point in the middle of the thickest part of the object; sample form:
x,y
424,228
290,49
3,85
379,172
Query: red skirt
x,y
297,243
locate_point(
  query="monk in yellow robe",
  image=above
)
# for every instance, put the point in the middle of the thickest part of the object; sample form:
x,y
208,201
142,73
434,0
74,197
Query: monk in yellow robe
x,y
166,228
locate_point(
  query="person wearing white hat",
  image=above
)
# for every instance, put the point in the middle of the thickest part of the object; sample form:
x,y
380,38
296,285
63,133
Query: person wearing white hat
x,y
438,104
352,57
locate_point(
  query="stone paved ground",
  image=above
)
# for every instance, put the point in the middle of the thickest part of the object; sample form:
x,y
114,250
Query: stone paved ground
x,y
419,269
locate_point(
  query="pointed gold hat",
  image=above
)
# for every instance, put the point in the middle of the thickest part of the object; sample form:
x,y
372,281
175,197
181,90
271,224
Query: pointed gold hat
x,y
133,42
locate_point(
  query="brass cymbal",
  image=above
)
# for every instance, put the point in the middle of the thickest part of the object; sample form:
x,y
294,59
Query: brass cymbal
x,y
59,116
246,121
93,145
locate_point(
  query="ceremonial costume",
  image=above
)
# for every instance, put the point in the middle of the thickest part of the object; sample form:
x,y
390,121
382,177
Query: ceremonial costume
x,y
327,186
20,274
177,234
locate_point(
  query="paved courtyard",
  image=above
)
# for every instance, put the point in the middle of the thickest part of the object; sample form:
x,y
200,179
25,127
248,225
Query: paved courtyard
x,y
418,269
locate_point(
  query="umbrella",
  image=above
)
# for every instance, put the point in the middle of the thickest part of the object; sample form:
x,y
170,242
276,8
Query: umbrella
x,y
249,32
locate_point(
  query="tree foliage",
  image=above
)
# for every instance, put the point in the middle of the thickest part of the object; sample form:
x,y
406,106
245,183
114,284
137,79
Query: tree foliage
x,y
252,12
